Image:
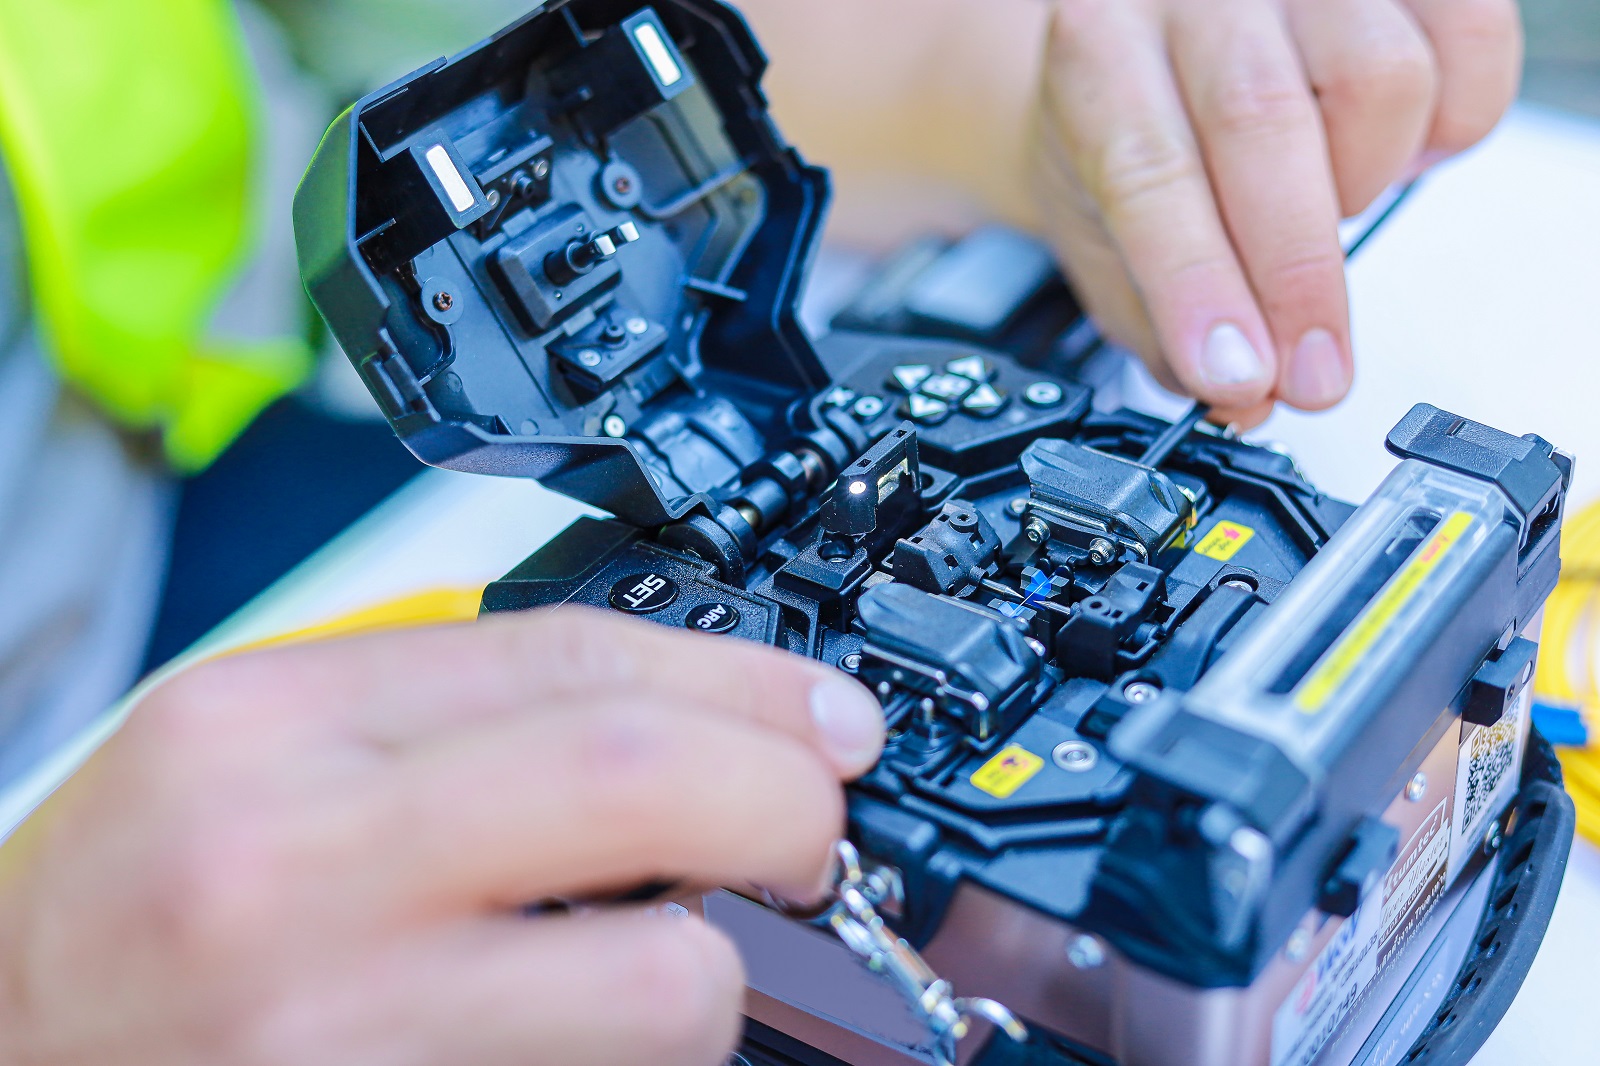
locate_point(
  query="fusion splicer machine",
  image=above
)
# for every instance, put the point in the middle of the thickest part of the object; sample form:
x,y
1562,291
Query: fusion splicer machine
x,y
1189,764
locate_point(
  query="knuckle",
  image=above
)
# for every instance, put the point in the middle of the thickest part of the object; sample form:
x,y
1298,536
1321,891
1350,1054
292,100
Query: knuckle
x,y
1391,71
1071,23
579,644
1303,277
1256,103
631,757
217,890
195,707
684,985
1482,23
1137,164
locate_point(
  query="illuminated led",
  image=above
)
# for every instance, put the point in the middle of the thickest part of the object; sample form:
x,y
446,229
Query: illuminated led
x,y
656,51
857,488
455,186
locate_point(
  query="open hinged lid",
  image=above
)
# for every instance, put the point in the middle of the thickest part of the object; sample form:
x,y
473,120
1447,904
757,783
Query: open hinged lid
x,y
584,229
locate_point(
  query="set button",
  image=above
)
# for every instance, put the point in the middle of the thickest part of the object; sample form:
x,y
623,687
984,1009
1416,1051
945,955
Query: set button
x,y
644,593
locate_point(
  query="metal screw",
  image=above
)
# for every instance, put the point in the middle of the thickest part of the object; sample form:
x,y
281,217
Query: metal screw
x,y
1101,551
1298,947
1018,507
1075,756
1086,953
1036,531
1238,583
589,357
615,426
851,663
623,185
443,302
1417,787
541,169
1492,839
1141,692
637,326
1044,394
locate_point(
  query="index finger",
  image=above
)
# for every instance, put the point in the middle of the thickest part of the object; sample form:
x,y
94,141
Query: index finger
x,y
399,689
1114,102
1267,152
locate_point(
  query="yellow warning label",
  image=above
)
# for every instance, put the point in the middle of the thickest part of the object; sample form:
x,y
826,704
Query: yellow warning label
x,y
1346,655
1005,773
1224,542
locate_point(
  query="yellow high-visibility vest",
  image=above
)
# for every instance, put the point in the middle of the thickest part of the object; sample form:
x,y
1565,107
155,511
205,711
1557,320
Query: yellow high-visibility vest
x,y
127,130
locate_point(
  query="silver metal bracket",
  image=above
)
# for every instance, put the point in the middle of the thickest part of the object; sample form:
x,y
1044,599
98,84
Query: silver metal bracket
x,y
854,918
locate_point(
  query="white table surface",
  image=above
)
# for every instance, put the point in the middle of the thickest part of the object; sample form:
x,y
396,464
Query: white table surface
x,y
1482,296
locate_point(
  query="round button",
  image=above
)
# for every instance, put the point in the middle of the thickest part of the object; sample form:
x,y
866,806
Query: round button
x,y
1044,394
644,593
868,407
713,618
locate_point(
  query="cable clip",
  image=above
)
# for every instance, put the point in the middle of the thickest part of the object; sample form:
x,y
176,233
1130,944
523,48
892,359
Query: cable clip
x,y
854,919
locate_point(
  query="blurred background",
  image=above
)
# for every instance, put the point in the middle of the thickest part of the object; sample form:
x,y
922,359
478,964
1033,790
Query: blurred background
x,y
1563,54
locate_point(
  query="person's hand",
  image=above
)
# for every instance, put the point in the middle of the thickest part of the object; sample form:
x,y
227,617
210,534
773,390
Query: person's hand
x,y
319,856
1195,156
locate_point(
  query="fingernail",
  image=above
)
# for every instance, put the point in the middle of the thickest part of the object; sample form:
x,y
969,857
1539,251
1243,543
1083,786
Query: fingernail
x,y
1316,376
850,721
1229,358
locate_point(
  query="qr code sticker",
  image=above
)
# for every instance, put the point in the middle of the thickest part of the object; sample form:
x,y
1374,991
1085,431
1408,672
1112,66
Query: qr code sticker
x,y
1489,760
1486,778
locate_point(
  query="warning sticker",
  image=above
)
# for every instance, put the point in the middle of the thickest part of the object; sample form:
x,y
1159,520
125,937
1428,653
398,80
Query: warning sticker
x,y
1224,542
1008,771
1486,777
1368,942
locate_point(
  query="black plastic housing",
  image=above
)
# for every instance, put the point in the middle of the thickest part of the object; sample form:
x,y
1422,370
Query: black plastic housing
x,y
553,124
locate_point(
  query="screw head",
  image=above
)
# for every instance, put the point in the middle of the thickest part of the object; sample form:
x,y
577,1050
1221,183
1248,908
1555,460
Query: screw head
x,y
1238,583
1101,551
1075,756
851,663
615,426
1018,507
1044,394
1086,953
541,169
443,302
637,326
1036,531
1417,787
589,357
1493,838
1138,692
1299,945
